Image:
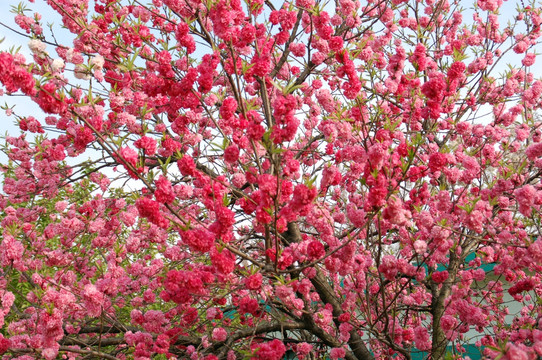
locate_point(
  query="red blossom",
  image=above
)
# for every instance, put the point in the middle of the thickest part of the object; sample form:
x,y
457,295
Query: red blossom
x,y
434,88
437,161
50,100
315,250
150,209
456,70
440,276
254,282
231,154
5,344
249,305
273,350
147,144
187,166
522,286
164,191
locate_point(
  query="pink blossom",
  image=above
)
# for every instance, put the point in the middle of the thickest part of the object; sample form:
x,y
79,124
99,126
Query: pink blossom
x,y
337,353
180,286
421,338
323,317
521,47
437,161
388,267
534,151
529,59
420,246
303,349
11,252
303,197
128,158
238,180
395,213
376,197
419,57
94,300
525,196
219,334
489,5
318,58
448,322
298,49
344,330
514,352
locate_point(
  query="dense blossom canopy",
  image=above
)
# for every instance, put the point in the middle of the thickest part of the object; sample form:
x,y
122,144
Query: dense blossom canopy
x,y
310,179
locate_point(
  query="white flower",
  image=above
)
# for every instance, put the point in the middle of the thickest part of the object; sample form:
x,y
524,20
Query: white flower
x,y
69,54
81,73
37,46
57,65
98,62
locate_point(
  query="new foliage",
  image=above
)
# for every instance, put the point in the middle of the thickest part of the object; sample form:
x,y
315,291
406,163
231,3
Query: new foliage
x,y
227,179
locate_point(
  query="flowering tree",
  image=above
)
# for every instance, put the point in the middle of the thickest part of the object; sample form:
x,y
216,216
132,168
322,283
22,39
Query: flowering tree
x,y
226,180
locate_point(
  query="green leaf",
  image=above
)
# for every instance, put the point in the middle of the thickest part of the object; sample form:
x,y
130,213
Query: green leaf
x,y
225,200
